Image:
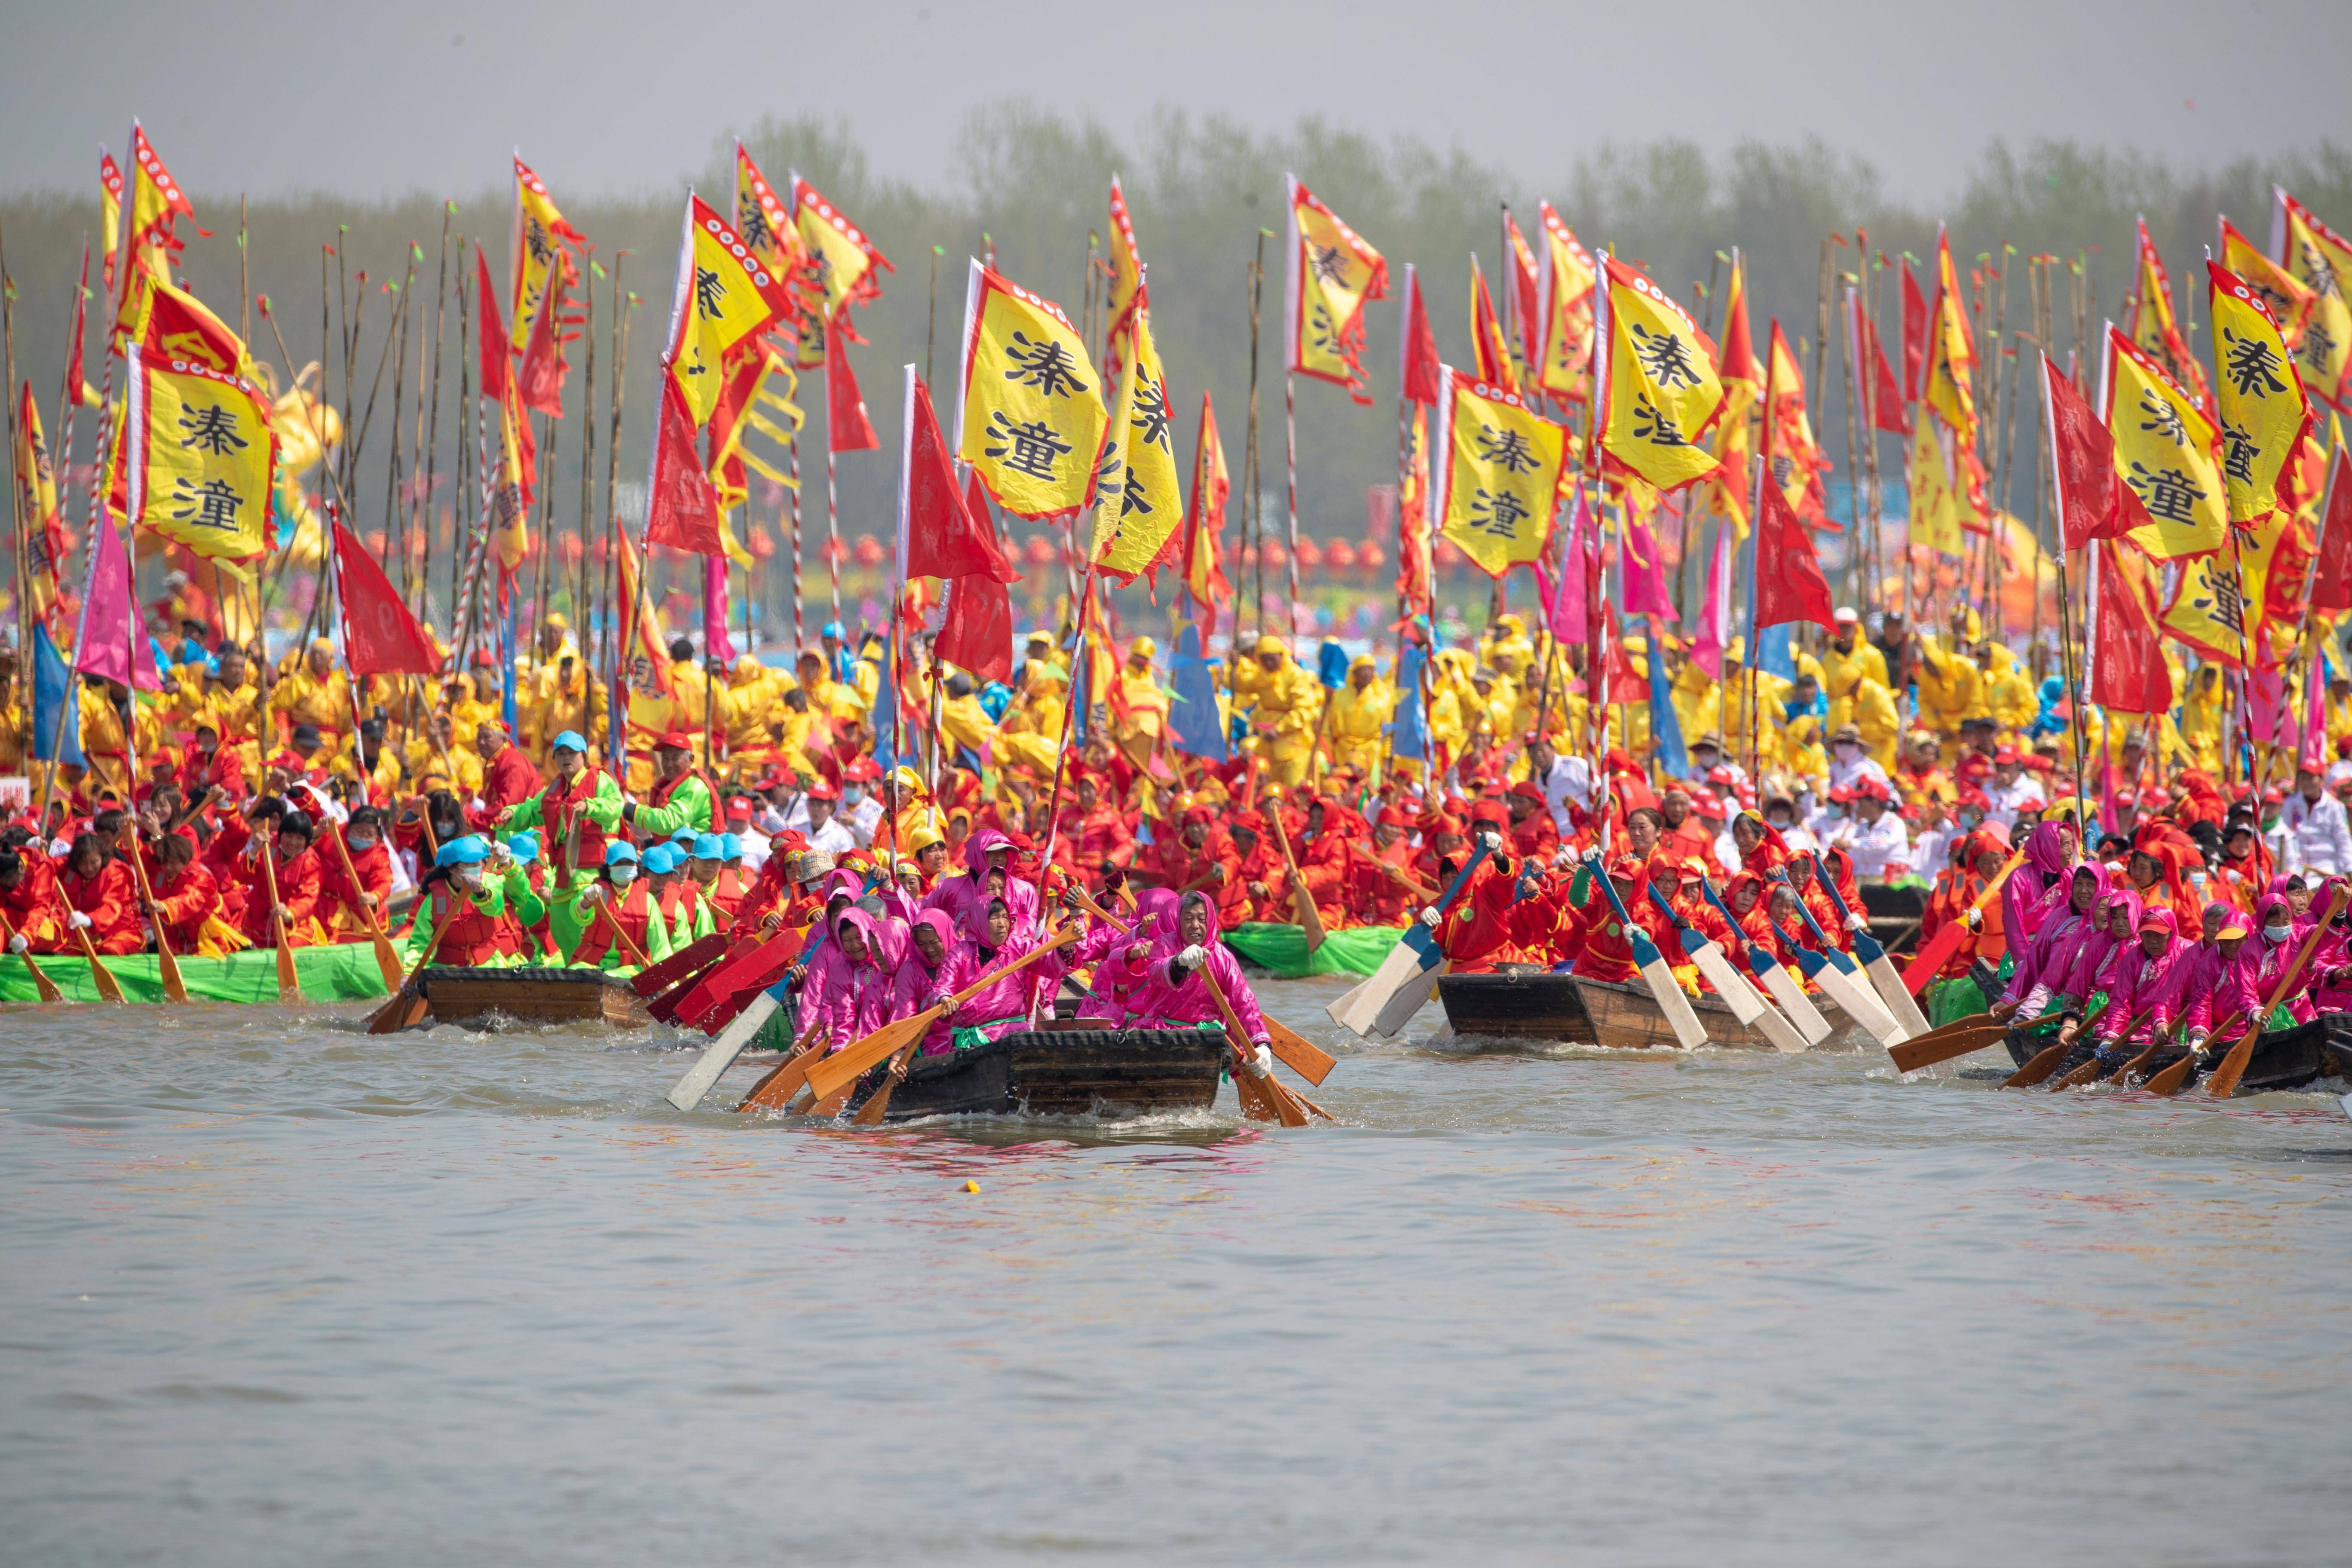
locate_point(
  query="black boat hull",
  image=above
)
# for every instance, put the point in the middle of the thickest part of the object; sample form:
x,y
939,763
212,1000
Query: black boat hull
x,y
2281,1059
1067,1072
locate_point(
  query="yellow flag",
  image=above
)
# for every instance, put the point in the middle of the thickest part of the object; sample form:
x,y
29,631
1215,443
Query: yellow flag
x,y
1564,293
2208,612
1124,293
201,456
1947,383
1141,502
2164,451
762,218
2257,395
537,227
2289,300
515,481
2154,328
843,255
1329,273
725,296
2322,261
1934,501
1031,421
1495,474
1659,389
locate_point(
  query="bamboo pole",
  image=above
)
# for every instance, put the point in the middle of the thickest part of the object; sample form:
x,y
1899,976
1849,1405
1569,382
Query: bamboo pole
x,y
433,421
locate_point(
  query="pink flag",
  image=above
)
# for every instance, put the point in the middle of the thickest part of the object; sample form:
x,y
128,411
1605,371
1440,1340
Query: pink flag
x,y
1714,607
1566,614
113,642
714,608
2315,715
1646,578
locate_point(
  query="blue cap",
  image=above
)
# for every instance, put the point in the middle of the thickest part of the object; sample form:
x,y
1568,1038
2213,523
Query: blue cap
x,y
730,844
465,851
661,858
709,847
683,838
525,846
571,740
832,629
618,852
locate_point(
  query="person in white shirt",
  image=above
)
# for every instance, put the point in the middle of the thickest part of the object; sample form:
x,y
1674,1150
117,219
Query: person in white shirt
x,y
2313,832
2013,792
1850,763
1873,834
826,831
1931,842
1565,781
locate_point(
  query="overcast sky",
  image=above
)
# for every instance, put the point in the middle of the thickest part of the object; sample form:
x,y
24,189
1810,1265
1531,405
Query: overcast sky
x,y
380,100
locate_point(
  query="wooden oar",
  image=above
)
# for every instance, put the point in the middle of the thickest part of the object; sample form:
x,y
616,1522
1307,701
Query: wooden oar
x,y
1385,1003
2175,1077
289,987
2224,1081
1837,974
386,960
1948,938
403,1007
1299,1054
844,1067
43,985
2157,1043
1960,1037
1778,982
1747,1003
1397,874
1900,1004
174,988
656,978
1269,1090
1302,901
775,1092
100,976
1656,973
2089,1070
722,1051
2046,1061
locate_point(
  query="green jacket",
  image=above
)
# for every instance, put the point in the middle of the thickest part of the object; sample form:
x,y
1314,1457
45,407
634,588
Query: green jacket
x,y
491,901
689,806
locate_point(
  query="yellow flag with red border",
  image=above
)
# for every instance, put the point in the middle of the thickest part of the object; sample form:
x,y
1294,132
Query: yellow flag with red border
x,y
2322,261
37,501
1329,271
725,296
538,230
1141,500
200,457
2289,299
1494,362
515,483
1797,460
148,244
2155,329
845,256
1495,473
764,218
1947,382
110,211
2207,613
173,323
1204,521
1659,391
2257,396
1030,420
1935,499
2165,452
1564,293
1124,293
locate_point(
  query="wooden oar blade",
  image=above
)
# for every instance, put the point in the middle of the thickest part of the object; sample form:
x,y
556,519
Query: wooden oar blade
x,y
843,1068
1408,999
2041,1067
1668,992
1737,994
656,978
387,961
1795,1005
1944,1045
1901,1005
2223,1083
1299,1054
721,1053
2174,1078
1414,954
176,987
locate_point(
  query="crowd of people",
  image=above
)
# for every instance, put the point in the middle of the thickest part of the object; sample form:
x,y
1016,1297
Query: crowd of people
x,y
911,841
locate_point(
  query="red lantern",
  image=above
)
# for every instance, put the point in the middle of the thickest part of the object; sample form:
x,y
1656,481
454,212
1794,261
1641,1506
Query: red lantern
x,y
763,544
832,553
1445,553
1040,551
1370,556
1339,555
573,550
1310,555
1276,557
868,551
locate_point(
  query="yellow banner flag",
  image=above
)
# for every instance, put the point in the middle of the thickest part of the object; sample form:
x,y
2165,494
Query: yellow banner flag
x,y
842,254
1124,293
157,203
2208,612
1141,500
1329,273
1031,421
2289,300
201,456
2321,259
537,227
764,219
1935,500
725,296
515,482
1947,382
2257,395
1564,296
2165,452
1495,473
1659,390
2155,329
37,504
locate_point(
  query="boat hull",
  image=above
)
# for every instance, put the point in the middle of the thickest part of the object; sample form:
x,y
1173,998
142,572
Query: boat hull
x,y
1520,1003
471,998
2281,1058
1067,1072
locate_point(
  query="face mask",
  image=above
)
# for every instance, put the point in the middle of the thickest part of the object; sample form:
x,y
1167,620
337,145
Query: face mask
x,y
2276,935
852,796
1837,813
624,874
1847,751
1971,818
362,845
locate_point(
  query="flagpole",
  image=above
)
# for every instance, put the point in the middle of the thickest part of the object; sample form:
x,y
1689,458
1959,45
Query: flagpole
x,y
424,509
16,527
1253,523
1290,466
617,640
2078,697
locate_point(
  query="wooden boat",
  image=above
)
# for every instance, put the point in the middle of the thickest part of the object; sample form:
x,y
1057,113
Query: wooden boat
x,y
471,998
1522,1003
1067,1072
2281,1059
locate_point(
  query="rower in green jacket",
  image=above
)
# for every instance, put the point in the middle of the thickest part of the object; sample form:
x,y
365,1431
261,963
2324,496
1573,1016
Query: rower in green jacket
x,y
574,815
679,796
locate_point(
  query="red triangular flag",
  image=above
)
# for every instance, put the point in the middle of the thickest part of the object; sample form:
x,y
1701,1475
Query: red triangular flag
x,y
846,428
1915,334
379,636
938,535
493,331
1624,684
2331,587
683,507
2090,502
977,630
1419,383
1886,399
2127,672
539,379
1788,582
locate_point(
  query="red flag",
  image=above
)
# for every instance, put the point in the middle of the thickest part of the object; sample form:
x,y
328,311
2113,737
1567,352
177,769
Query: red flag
x,y
1624,684
379,636
1788,582
977,631
2127,672
2090,499
683,508
938,535
539,377
2331,585
74,339
846,428
1915,334
493,333
1492,352
1886,400
1419,382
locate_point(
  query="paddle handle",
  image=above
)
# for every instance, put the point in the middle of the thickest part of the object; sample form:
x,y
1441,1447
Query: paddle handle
x,y
351,871
43,987
166,961
1068,935
2224,1081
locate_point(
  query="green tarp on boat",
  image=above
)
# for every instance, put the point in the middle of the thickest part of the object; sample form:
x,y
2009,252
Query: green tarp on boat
x,y
1282,949
345,970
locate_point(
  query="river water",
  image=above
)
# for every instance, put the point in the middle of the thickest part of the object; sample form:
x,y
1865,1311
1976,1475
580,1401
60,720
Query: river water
x,y
273,1291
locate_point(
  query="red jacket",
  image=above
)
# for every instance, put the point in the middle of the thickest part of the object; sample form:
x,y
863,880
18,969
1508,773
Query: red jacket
x,y
631,912
35,911
187,904
339,904
110,899
509,780
297,888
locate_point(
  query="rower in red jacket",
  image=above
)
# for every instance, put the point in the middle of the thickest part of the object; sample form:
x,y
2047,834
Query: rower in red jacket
x,y
101,898
345,909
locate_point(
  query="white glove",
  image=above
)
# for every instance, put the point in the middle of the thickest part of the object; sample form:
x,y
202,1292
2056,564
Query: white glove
x,y
1490,839
79,920
1562,861
594,893
17,943
1857,922
1261,1061
1193,956
1431,918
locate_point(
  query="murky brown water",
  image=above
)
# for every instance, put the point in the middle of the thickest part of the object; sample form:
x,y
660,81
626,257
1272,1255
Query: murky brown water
x,y
273,1291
